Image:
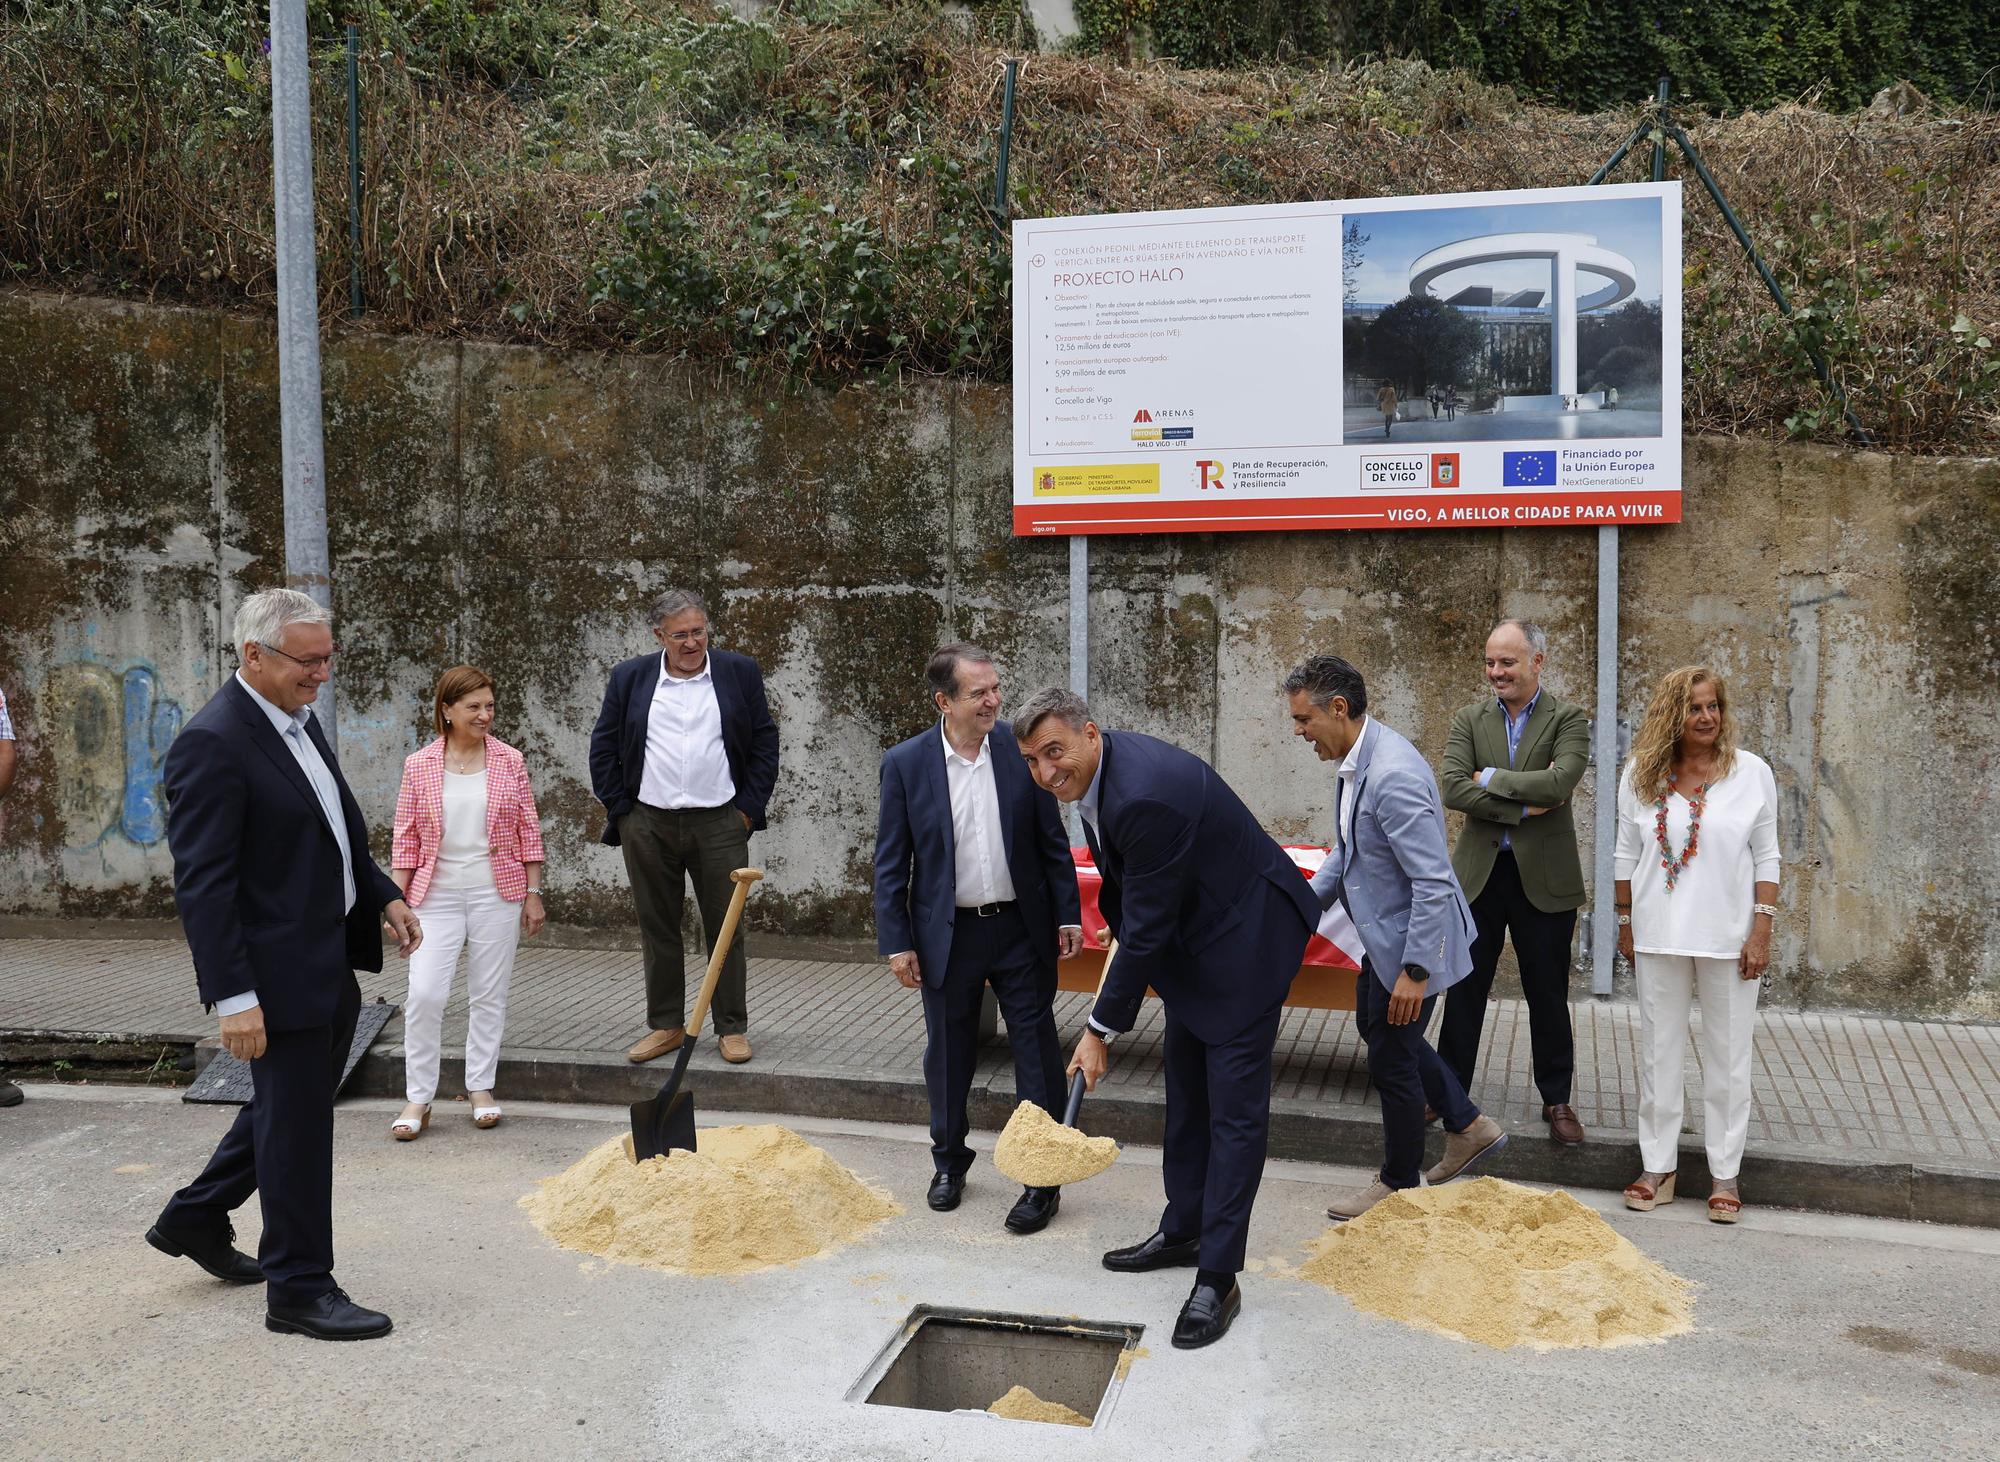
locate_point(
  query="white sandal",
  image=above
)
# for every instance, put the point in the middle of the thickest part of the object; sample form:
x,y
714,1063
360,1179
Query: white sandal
x,y
407,1128
484,1116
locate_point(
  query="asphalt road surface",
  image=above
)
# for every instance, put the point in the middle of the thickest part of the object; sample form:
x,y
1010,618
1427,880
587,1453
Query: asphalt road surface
x,y
1816,1336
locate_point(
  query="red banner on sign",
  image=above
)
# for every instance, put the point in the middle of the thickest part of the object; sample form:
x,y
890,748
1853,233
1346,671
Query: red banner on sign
x,y
1470,510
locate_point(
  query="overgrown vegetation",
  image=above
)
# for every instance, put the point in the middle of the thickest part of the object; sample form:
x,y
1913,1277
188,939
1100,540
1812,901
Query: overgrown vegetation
x,y
1589,54
811,193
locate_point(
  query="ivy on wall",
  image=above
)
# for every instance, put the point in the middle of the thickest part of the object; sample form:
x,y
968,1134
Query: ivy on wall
x,y
1593,54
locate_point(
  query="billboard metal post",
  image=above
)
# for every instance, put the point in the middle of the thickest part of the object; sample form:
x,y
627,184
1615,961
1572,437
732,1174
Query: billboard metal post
x,y
307,565
1602,930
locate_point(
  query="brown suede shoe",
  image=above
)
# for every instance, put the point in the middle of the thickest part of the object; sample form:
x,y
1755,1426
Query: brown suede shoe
x,y
735,1049
1463,1149
1563,1124
1355,1202
657,1044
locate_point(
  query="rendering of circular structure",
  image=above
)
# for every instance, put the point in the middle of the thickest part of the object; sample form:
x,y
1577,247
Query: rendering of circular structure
x,y
1569,255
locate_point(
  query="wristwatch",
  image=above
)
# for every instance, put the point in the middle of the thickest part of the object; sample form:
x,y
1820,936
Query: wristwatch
x,y
1417,973
1623,920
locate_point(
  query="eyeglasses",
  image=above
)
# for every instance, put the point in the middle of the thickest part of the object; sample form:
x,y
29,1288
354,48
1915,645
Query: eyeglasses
x,y
314,665
687,636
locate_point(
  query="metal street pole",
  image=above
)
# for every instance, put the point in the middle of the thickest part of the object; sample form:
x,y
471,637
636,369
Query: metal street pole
x,y
307,564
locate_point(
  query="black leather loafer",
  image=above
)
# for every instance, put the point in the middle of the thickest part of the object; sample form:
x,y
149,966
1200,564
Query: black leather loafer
x,y
217,1253
1033,1210
946,1190
1158,1252
333,1316
1205,1318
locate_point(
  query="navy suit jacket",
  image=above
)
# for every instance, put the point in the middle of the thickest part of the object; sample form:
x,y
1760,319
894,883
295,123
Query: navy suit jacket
x,y
1201,899
618,740
916,876
257,870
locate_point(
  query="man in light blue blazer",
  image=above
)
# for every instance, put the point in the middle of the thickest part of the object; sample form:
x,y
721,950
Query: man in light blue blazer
x,y
1391,869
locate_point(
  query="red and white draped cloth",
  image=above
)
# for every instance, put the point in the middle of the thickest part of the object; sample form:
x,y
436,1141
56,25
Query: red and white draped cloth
x,y
1335,945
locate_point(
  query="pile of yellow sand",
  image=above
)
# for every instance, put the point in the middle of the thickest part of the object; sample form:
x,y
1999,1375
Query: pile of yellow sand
x,y
1503,1265
1021,1404
1037,1151
751,1198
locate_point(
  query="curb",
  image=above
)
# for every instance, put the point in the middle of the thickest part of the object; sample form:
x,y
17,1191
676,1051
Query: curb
x,y
1908,1188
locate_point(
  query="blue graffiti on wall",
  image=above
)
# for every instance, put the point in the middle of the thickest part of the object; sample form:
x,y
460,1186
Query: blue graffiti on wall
x,y
111,731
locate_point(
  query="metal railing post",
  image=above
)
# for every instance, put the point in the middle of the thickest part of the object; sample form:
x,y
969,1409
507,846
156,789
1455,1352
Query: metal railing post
x,y
354,168
1000,208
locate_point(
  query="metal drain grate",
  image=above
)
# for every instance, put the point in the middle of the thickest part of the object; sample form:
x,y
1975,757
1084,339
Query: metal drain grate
x,y
229,1081
945,1359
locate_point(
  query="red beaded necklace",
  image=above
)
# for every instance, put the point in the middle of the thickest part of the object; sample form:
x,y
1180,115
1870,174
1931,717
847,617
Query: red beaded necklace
x,y
1668,860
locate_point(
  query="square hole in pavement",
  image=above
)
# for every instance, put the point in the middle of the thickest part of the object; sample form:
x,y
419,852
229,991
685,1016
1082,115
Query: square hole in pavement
x,y
945,1359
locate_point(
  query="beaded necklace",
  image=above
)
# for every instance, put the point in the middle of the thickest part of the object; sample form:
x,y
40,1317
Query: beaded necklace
x,y
1668,860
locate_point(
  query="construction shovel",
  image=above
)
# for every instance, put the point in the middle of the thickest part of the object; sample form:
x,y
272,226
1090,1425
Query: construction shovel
x,y
1075,1103
662,1123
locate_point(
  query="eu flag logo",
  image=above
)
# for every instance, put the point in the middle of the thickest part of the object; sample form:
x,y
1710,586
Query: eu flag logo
x,y
1528,469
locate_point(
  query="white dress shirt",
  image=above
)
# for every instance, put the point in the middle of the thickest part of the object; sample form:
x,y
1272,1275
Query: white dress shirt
x,y
291,728
686,766
979,863
1707,913
1345,773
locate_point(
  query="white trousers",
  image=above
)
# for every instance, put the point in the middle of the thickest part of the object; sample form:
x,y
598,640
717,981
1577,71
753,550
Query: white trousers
x,y
488,929
1667,987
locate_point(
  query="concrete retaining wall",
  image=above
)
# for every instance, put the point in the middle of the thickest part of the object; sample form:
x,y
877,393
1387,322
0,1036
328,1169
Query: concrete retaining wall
x,y
516,508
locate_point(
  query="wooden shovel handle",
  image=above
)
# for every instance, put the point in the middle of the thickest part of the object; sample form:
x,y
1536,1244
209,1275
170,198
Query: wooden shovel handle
x,y
740,895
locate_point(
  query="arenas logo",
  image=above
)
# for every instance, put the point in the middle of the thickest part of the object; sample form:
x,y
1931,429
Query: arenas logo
x,y
1150,425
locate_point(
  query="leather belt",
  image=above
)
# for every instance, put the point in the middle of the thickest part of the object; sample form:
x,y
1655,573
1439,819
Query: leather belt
x,y
986,911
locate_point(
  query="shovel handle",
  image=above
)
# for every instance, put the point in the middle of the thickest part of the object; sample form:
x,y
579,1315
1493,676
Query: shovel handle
x,y
1075,1100
1076,1082
742,878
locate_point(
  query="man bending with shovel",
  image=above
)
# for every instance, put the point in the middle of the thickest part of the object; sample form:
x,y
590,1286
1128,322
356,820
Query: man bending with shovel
x,y
1214,917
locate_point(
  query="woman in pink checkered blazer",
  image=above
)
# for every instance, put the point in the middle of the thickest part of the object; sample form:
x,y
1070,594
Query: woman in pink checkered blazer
x,y
468,851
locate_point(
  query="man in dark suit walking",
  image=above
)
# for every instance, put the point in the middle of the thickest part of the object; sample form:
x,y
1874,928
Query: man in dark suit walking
x,y
684,756
279,899
1511,764
974,885
1213,916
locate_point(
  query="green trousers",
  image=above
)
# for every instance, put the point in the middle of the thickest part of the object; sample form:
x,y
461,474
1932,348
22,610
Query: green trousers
x,y
663,850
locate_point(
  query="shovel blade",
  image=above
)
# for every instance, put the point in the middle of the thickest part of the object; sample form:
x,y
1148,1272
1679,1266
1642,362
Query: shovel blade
x,y
663,1126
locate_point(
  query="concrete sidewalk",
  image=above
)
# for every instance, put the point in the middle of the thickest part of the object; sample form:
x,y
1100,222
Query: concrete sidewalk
x,y
1850,1114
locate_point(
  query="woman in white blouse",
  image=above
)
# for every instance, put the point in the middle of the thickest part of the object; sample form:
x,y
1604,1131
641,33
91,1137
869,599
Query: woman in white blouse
x,y
468,851
1697,870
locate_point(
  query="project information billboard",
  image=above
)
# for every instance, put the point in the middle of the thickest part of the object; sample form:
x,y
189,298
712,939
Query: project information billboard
x,y
1435,362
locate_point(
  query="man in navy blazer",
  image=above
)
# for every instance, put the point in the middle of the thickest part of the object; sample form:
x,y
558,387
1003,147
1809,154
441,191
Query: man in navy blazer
x,y
279,900
974,885
684,756
1214,917
1391,868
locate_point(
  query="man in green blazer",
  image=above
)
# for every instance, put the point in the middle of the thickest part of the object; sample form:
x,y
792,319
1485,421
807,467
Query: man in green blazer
x,y
1510,766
